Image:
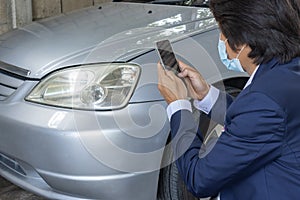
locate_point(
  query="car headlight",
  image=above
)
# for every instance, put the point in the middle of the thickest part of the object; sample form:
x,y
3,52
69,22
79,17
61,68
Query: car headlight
x,y
96,87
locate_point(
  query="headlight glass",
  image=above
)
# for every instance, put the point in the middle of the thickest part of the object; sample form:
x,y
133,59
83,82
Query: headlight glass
x,y
96,87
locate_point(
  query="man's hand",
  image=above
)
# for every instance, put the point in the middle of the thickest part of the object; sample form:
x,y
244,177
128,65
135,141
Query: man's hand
x,y
197,86
170,86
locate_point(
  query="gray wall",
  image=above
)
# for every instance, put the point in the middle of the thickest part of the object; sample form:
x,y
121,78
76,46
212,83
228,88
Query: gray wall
x,y
16,13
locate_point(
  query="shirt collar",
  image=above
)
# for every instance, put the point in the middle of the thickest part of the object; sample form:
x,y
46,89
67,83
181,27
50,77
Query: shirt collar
x,y
251,77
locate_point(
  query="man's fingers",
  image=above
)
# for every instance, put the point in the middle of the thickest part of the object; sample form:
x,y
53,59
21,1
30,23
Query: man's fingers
x,y
184,73
162,72
184,66
189,73
160,68
171,75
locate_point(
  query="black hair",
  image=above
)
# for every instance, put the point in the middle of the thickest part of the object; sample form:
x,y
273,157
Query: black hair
x,y
271,28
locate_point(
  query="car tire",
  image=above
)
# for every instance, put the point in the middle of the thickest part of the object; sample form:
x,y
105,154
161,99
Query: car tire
x,y
171,186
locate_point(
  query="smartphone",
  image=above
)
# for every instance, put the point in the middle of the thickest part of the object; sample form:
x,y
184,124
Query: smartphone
x,y
167,57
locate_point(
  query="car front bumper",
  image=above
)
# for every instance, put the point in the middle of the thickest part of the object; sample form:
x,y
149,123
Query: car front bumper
x,y
73,154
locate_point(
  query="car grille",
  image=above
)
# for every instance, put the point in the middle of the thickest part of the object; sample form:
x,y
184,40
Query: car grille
x,y
8,85
11,163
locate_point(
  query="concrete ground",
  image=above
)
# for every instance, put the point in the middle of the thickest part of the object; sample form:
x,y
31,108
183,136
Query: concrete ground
x,y
8,191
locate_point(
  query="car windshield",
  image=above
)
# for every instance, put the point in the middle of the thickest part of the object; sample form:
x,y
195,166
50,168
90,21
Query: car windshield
x,y
197,3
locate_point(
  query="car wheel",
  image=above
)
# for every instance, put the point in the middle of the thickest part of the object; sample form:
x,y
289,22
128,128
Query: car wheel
x,y
171,186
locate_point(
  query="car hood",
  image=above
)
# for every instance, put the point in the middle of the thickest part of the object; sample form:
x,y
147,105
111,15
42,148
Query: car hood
x,y
112,32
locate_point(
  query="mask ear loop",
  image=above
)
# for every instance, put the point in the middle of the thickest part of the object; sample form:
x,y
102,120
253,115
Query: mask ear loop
x,y
240,51
223,40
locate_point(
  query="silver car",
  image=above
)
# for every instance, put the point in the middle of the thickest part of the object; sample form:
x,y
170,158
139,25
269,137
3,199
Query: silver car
x,y
80,113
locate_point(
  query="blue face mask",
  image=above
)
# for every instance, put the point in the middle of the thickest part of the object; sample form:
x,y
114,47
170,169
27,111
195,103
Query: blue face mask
x,y
233,64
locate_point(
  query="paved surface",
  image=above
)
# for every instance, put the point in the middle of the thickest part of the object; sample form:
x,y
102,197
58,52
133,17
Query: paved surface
x,y
9,191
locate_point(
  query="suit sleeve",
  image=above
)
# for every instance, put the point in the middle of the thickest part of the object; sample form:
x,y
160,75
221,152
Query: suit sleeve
x,y
219,109
252,138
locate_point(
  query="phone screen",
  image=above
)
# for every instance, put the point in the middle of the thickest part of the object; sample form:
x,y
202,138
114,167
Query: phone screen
x,y
167,56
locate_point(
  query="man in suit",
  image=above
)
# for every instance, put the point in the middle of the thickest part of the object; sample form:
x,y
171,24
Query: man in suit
x,y
258,154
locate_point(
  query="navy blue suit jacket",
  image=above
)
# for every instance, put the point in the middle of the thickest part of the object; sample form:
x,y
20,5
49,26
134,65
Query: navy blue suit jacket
x,y
258,154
